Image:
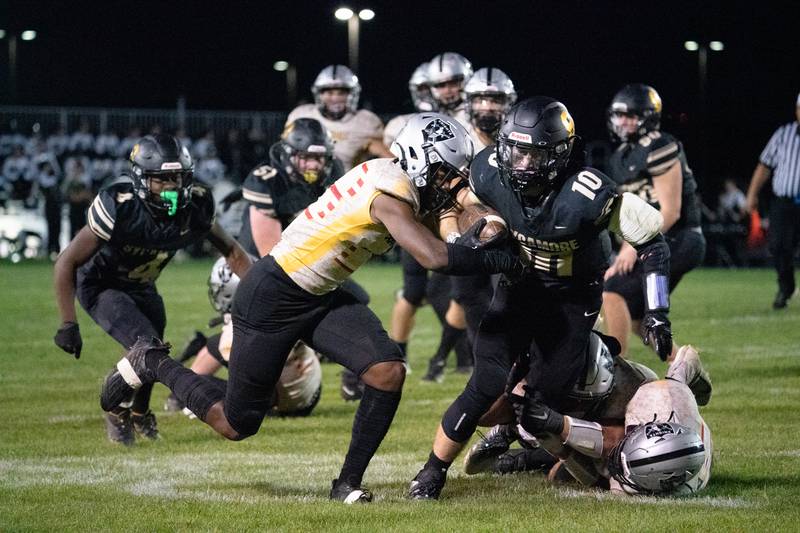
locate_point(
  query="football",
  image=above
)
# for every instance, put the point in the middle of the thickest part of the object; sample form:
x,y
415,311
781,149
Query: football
x,y
494,222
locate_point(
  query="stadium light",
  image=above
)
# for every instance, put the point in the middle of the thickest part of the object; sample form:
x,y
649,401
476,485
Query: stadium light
x,y
353,28
281,66
717,46
702,49
343,13
28,35
291,80
2,34
692,46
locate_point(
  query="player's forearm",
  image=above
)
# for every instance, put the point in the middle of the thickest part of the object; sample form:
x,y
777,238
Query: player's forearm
x,y
761,175
239,260
655,257
64,277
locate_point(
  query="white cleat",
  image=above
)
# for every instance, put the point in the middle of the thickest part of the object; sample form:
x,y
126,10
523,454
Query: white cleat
x,y
687,368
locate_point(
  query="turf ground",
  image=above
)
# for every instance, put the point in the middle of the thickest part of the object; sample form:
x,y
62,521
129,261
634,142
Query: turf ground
x,y
57,471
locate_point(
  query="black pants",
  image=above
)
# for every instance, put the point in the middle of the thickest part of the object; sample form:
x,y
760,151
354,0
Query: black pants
x,y
270,314
687,249
784,233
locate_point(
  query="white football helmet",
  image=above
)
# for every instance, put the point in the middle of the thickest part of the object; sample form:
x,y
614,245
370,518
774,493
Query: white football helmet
x,y
657,458
420,89
446,67
336,77
222,285
494,84
433,149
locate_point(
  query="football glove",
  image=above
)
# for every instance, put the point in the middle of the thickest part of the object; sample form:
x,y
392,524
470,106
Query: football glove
x,y
656,331
537,418
68,338
472,237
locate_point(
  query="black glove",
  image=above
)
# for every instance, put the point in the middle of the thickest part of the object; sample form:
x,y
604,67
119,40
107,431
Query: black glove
x,y
536,418
466,261
472,237
68,338
656,331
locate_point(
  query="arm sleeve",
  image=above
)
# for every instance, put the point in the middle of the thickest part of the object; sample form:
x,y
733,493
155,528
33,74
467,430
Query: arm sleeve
x,y
102,215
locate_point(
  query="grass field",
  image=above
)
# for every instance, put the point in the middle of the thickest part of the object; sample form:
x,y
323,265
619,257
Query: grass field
x,y
58,472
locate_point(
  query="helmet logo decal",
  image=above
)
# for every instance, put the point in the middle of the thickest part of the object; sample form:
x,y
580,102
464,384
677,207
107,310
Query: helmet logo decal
x,y
568,123
655,430
654,99
134,151
437,130
521,137
174,165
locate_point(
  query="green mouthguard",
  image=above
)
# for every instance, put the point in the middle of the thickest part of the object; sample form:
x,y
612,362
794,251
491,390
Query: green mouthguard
x,y
172,198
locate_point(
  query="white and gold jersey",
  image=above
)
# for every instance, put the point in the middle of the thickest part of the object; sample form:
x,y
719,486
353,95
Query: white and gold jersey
x,y
336,234
351,134
474,134
393,128
668,400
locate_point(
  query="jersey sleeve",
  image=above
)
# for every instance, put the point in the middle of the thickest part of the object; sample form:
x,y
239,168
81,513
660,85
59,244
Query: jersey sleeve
x,y
371,124
664,152
484,177
102,214
257,189
769,155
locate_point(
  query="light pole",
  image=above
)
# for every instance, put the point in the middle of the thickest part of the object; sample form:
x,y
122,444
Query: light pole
x,y
702,77
291,80
26,35
353,29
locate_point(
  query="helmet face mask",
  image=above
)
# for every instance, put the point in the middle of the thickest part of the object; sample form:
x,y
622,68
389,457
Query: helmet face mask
x,y
336,91
162,173
634,101
490,94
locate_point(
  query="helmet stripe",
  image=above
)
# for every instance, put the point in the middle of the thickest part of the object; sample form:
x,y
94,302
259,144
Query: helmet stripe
x,y
667,456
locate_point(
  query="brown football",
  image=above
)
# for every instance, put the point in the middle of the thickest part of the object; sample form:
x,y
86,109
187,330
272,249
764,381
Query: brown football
x,y
494,222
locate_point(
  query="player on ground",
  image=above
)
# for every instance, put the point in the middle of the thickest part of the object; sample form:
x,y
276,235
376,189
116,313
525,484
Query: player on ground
x,y
294,294
357,132
651,164
135,227
556,210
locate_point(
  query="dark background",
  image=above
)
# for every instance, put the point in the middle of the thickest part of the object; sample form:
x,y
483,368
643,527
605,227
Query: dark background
x,y
220,56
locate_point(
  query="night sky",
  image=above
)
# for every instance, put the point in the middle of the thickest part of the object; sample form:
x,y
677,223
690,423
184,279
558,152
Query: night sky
x,y
147,53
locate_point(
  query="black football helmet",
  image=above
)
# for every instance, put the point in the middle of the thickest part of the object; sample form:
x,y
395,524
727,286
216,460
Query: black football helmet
x,y
639,100
164,158
305,137
534,144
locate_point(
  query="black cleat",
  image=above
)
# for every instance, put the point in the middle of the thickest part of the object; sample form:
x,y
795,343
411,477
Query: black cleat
x,y
522,460
780,300
145,425
484,453
119,428
427,485
131,372
352,387
345,492
435,370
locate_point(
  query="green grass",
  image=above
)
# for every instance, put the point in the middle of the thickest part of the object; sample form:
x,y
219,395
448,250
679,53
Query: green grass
x,y
57,471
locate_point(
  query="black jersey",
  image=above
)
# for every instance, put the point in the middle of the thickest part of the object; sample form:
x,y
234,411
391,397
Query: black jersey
x,y
634,165
269,189
138,243
559,237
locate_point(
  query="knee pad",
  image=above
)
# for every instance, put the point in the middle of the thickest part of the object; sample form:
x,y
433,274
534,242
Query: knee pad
x,y
461,418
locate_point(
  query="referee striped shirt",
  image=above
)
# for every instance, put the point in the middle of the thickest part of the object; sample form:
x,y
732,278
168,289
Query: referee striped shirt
x,y
782,155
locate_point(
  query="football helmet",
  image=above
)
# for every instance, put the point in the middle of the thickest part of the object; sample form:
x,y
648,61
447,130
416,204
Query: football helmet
x,y
162,157
444,68
305,137
635,100
657,457
491,83
534,144
336,77
420,89
222,285
433,149
597,379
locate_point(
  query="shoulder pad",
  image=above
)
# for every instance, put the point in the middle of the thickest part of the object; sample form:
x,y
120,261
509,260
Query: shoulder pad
x,y
102,214
390,179
662,152
370,120
484,175
264,172
257,188
591,191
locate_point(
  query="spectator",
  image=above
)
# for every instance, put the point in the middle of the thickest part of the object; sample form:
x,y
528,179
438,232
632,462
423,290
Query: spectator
x,y
82,141
58,142
16,169
106,144
79,194
210,170
47,174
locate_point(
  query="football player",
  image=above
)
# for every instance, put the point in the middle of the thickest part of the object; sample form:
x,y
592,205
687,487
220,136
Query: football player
x,y
420,91
294,294
447,74
489,95
556,210
135,227
357,132
651,164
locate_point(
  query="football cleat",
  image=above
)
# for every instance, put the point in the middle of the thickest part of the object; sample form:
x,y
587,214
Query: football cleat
x,y
145,425
345,492
687,369
427,484
523,460
484,453
119,428
435,370
352,387
131,372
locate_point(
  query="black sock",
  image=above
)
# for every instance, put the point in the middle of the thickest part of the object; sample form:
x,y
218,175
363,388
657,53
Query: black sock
x,y
372,421
141,399
403,348
450,336
197,392
437,464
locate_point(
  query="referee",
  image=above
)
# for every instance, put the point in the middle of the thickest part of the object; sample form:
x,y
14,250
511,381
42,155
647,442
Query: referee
x,y
780,160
